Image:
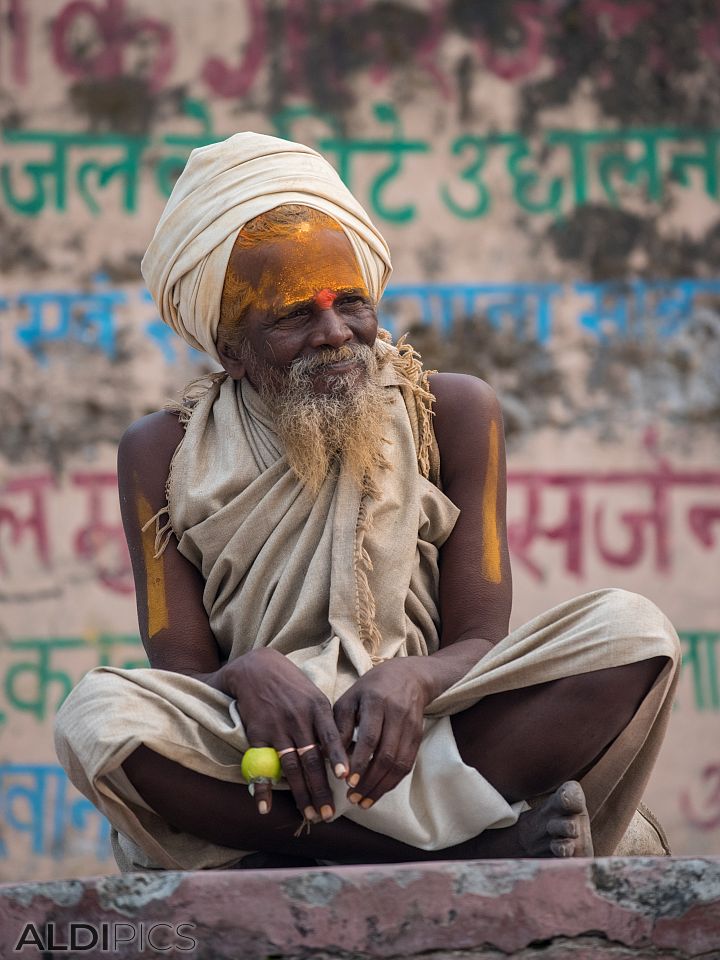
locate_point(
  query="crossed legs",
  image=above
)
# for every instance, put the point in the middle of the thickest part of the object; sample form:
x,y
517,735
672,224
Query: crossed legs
x,y
525,742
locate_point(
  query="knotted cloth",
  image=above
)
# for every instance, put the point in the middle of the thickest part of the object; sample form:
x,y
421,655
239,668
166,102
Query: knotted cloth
x,y
222,187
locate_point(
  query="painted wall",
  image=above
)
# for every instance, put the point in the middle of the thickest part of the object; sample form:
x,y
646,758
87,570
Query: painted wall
x,y
546,174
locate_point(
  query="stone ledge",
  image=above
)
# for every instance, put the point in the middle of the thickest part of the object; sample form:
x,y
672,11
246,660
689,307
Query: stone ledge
x,y
658,908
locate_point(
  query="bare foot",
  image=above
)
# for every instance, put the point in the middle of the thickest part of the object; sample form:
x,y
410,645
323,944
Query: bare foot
x,y
559,827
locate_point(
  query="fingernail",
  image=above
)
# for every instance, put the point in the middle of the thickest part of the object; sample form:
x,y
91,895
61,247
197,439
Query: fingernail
x,y
262,806
340,770
354,780
367,803
355,797
310,813
326,812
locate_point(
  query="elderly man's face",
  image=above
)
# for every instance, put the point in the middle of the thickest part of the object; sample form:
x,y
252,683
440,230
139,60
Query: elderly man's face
x,y
308,302
308,328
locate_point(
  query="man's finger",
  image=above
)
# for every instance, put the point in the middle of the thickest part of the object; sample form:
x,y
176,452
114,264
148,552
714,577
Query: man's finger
x,y
262,794
344,712
293,773
313,768
368,736
388,767
330,740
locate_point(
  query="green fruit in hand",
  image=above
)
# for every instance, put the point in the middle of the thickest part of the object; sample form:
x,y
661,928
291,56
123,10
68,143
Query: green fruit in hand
x,y
261,762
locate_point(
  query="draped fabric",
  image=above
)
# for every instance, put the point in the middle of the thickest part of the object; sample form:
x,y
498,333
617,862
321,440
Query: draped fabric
x,y
318,579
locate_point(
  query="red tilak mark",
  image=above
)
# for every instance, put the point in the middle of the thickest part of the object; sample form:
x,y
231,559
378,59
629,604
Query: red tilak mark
x,y
325,299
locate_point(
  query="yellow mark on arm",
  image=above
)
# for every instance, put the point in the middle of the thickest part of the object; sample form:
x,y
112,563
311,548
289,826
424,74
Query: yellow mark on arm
x,y
492,560
157,610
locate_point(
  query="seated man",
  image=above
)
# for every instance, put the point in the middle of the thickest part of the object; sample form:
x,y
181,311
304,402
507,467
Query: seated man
x,y
318,541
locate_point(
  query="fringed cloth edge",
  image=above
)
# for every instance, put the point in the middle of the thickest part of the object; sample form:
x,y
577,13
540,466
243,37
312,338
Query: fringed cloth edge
x,y
183,409
418,400
407,363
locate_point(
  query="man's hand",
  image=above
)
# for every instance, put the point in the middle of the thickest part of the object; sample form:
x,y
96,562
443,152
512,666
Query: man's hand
x,y
281,708
386,705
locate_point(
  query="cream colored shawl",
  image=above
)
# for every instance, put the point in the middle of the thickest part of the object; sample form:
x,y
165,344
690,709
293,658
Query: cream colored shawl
x,y
334,581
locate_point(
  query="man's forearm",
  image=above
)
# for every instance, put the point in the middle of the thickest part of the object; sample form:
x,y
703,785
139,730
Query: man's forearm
x,y
214,679
443,669
438,672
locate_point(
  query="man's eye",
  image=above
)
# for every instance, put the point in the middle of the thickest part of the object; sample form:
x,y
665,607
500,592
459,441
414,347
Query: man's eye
x,y
295,314
351,299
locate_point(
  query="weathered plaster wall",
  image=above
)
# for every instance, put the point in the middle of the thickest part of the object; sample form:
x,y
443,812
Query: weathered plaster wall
x,y
547,176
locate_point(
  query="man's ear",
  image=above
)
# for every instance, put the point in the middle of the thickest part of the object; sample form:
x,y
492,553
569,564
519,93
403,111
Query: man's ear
x,y
232,364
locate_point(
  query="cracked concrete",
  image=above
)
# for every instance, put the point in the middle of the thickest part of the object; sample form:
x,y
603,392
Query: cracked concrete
x,y
667,895
494,882
654,908
131,894
316,889
64,893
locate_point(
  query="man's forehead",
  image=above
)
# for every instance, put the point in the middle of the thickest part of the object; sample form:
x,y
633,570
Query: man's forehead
x,y
295,269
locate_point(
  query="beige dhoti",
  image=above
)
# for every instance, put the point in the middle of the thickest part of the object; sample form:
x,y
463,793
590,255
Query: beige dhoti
x,y
440,803
338,582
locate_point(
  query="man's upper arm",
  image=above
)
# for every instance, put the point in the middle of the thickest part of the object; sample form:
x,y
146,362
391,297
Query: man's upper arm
x,y
475,579
173,623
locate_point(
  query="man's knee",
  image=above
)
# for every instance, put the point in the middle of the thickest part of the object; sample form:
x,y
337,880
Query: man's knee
x,y
82,719
630,606
631,615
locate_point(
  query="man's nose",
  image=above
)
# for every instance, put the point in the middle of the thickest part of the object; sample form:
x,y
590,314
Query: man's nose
x,y
330,328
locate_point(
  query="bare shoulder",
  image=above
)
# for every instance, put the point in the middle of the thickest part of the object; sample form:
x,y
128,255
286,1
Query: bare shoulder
x,y
158,432
145,452
453,391
465,407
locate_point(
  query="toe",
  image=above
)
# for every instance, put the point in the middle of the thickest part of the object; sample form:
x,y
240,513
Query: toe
x,y
563,827
562,848
571,797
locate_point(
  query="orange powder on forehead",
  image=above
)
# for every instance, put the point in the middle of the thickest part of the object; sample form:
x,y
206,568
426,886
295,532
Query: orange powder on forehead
x,y
312,269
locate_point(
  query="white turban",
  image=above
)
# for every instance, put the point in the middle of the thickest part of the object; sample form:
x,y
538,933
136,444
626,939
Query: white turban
x,y
222,187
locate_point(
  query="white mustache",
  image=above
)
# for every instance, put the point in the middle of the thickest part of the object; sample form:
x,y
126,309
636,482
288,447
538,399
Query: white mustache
x,y
306,365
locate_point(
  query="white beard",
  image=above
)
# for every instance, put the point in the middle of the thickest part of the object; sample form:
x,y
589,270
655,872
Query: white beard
x,y
319,431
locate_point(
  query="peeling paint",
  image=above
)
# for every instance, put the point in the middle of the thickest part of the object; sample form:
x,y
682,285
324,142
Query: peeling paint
x,y
626,66
385,36
17,252
125,269
611,244
79,400
116,103
634,382
524,373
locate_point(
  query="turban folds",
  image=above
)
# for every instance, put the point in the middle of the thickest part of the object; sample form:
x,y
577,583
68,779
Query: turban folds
x,y
222,187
